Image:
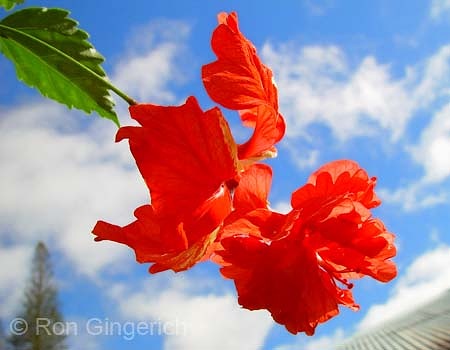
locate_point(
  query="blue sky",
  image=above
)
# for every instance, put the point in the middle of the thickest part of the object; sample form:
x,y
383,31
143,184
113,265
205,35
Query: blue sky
x,y
368,81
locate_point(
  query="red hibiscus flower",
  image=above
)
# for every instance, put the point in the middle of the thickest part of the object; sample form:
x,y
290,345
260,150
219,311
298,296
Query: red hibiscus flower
x,y
209,199
239,81
186,157
297,265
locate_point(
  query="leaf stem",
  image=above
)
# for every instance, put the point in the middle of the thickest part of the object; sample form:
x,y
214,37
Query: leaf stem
x,y
120,93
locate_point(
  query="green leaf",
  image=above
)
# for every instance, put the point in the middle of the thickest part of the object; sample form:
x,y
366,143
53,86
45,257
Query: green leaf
x,y
51,54
9,4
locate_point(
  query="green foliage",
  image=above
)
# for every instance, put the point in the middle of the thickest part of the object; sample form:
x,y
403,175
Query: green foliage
x,y
40,303
9,4
51,54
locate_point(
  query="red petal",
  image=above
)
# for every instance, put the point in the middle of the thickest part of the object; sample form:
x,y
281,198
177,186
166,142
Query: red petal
x,y
183,153
253,189
187,258
284,279
335,169
148,236
333,183
186,157
291,264
239,81
269,129
164,242
348,177
262,223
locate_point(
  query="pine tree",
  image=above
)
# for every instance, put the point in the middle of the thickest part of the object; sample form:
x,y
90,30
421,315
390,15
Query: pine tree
x,y
40,308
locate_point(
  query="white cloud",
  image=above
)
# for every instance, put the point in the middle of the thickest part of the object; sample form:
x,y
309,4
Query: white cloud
x,y
317,85
425,278
433,149
435,236
58,178
439,7
283,207
415,196
318,7
207,319
303,157
60,173
432,153
325,342
430,79
79,336
153,61
15,261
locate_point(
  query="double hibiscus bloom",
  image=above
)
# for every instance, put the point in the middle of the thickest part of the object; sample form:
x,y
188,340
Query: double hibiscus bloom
x,y
209,199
